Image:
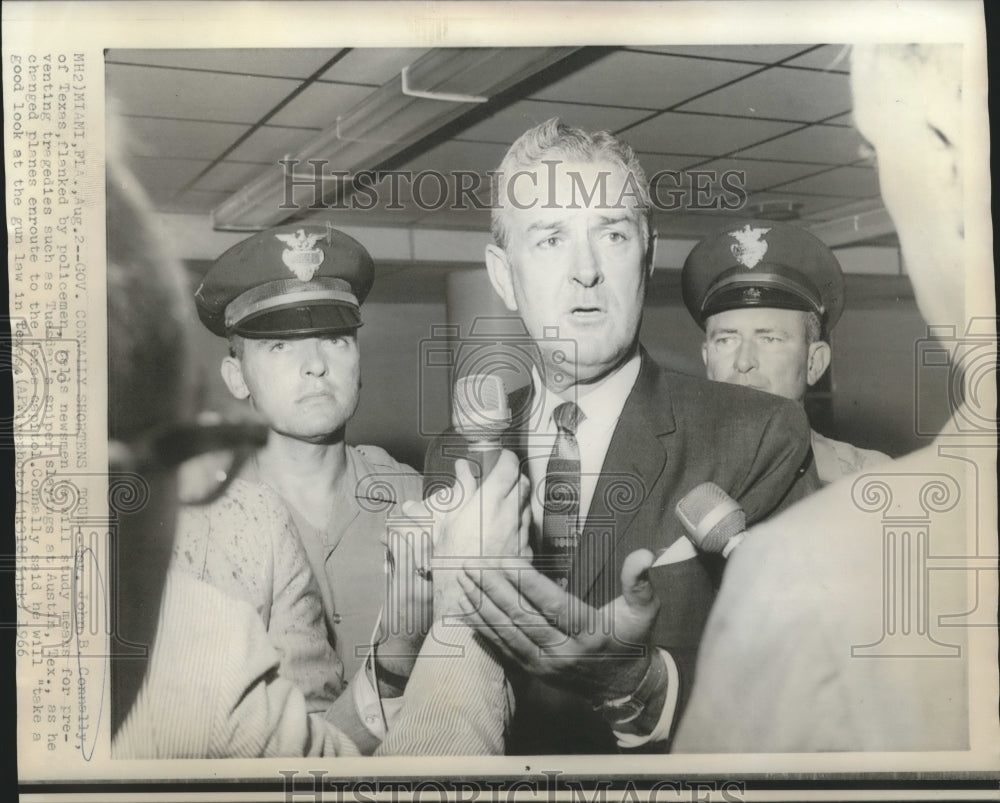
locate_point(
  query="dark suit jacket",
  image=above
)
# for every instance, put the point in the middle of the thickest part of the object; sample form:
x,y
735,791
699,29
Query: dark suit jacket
x,y
675,431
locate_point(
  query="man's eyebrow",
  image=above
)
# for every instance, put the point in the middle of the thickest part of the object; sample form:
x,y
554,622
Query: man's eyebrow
x,y
543,225
610,220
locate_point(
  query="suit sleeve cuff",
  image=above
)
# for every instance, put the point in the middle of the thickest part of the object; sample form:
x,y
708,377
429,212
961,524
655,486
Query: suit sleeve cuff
x,y
377,713
663,726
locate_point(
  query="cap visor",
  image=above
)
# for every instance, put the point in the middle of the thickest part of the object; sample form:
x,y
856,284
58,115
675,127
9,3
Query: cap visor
x,y
739,296
300,319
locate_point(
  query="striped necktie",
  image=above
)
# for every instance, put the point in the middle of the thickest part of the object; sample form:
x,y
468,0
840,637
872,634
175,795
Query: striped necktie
x,y
562,495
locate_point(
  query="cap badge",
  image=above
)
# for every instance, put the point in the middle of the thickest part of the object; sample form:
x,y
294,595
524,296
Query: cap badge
x,y
301,257
751,294
749,248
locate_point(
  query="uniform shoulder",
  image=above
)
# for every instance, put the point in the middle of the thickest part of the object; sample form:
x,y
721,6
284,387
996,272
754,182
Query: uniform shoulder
x,y
383,478
379,458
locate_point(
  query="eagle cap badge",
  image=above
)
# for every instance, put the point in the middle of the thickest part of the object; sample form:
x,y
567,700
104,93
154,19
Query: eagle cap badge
x,y
749,249
301,256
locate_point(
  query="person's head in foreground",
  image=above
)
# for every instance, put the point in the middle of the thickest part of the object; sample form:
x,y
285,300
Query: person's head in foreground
x,y
150,393
908,106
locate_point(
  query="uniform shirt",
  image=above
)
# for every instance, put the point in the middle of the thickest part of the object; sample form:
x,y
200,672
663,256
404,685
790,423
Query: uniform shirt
x,y
348,556
836,459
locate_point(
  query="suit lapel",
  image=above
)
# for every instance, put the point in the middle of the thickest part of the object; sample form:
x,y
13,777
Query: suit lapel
x,y
634,463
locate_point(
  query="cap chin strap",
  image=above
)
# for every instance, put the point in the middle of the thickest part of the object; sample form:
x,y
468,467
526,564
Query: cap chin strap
x,y
285,292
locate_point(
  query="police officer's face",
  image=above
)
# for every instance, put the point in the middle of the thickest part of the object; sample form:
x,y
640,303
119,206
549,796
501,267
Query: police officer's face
x,y
762,348
575,270
306,388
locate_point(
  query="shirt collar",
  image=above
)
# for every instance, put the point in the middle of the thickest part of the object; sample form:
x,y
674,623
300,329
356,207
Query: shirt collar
x,y
603,402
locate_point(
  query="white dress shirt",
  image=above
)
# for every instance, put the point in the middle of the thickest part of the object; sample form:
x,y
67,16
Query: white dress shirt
x,y
602,405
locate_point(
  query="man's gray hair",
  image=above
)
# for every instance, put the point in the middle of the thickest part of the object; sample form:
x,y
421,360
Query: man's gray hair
x,y
554,138
814,328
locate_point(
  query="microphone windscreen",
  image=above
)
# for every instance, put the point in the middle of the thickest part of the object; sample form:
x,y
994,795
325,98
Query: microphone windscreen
x,y
711,516
479,406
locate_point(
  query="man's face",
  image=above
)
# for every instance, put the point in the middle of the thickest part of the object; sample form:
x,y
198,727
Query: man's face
x,y
306,388
574,267
762,348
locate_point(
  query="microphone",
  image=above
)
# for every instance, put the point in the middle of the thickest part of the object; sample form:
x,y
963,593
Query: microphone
x,y
714,521
481,415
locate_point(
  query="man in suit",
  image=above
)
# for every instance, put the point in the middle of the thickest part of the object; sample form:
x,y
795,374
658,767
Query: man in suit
x,y
830,655
767,295
610,442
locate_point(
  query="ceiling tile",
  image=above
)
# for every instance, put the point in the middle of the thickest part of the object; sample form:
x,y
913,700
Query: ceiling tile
x,y
194,95
459,155
319,105
509,123
280,63
654,163
756,54
182,138
673,132
852,182
229,176
373,217
270,143
824,144
168,174
780,93
642,80
193,202
760,175
373,65
828,57
841,119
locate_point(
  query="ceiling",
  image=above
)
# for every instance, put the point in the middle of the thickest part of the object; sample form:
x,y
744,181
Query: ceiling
x,y
207,122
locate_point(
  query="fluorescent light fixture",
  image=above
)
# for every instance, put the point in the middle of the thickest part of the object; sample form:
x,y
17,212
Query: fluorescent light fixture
x,y
854,228
441,85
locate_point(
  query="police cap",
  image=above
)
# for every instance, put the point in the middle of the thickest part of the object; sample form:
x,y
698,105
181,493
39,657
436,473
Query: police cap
x,y
763,264
290,281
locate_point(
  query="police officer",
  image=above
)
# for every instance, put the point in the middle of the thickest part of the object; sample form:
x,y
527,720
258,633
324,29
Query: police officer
x,y
288,300
767,294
